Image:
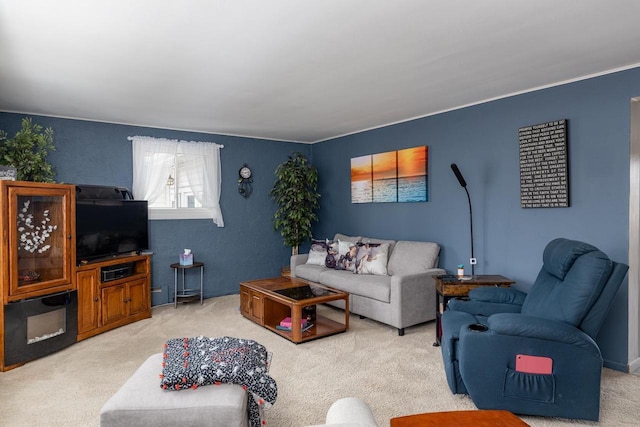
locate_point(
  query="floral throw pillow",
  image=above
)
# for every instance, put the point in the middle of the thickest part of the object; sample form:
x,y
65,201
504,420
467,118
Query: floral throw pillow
x,y
333,255
318,252
348,252
372,259
364,249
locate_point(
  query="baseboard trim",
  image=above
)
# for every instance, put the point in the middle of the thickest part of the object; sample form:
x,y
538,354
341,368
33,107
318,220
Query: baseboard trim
x,y
634,365
617,366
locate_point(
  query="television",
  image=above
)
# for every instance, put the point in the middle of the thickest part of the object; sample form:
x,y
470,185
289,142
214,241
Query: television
x,y
110,227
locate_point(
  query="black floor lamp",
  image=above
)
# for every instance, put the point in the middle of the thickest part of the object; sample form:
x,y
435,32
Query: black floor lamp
x,y
463,184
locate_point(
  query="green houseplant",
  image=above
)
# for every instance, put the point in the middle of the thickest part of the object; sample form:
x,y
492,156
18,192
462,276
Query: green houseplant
x,y
27,152
295,192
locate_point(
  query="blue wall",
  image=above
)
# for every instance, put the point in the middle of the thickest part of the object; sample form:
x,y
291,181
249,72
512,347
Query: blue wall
x,y
246,248
483,141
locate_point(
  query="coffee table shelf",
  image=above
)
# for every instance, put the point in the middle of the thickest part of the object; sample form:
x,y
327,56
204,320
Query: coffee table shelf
x,y
266,303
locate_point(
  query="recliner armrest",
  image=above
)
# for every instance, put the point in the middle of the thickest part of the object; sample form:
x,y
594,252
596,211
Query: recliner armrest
x,y
524,326
486,301
497,295
480,308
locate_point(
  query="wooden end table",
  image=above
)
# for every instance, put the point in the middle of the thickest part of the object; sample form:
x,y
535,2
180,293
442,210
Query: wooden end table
x,y
449,286
268,301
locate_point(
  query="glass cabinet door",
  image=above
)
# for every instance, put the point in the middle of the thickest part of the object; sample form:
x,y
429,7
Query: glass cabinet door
x,y
39,240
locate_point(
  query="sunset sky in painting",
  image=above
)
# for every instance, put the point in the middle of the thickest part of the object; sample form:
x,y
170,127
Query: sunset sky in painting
x,y
361,168
384,165
412,161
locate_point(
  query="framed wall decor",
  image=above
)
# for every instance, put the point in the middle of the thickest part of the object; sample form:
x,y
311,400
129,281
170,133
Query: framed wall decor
x,y
544,168
392,176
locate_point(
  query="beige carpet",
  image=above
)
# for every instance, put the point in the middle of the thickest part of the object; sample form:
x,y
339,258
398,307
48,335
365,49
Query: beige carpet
x,y
395,375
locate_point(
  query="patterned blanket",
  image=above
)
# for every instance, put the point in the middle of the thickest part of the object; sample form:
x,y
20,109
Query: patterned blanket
x,y
194,362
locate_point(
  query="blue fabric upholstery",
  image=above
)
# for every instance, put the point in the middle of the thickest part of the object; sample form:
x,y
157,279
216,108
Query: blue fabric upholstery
x,y
569,299
558,318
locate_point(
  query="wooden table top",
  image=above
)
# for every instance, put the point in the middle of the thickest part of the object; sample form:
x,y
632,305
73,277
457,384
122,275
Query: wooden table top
x,y
480,418
456,287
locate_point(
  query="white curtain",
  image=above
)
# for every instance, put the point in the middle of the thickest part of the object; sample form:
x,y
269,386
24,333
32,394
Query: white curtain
x,y
206,174
153,156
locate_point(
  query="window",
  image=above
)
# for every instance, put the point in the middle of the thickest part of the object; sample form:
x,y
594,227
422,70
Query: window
x,y
179,179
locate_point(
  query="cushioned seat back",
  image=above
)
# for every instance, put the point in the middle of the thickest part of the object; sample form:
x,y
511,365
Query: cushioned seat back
x,y
570,282
413,257
595,318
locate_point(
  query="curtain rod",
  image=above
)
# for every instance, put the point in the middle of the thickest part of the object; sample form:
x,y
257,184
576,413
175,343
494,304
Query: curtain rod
x,y
131,138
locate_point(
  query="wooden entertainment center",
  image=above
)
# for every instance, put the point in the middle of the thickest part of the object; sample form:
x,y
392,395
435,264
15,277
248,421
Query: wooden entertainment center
x,y
40,276
104,304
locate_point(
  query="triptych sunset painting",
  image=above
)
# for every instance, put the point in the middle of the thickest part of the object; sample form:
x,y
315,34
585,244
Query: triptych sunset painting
x,y
394,176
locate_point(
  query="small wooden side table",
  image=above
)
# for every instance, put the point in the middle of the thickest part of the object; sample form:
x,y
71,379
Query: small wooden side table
x,y
184,293
449,286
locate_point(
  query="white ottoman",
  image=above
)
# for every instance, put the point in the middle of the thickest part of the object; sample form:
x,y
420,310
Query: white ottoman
x,y
141,402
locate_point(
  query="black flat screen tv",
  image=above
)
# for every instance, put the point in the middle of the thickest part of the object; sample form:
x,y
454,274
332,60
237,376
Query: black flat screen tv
x,y
105,228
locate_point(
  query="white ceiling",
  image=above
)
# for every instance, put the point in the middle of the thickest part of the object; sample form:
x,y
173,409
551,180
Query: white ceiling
x,y
297,70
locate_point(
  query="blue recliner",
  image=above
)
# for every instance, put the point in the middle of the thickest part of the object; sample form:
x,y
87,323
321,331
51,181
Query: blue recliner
x,y
551,330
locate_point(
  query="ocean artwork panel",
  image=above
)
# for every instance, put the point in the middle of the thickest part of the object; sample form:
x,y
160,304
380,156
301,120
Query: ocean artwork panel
x,y
385,177
361,180
412,174
393,176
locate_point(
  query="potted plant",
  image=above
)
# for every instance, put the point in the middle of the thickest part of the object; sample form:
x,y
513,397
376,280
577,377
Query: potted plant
x,y
295,192
27,152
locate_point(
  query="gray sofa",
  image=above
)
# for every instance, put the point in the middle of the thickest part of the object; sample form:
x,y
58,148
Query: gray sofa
x,y
404,297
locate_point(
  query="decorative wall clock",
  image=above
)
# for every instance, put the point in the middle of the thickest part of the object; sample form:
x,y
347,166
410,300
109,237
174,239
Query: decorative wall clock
x,y
245,180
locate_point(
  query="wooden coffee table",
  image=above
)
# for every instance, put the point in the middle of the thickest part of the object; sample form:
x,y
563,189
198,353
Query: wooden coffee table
x,y
268,301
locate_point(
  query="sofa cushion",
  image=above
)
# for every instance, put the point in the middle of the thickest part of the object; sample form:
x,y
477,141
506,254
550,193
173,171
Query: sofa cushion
x,y
413,257
375,287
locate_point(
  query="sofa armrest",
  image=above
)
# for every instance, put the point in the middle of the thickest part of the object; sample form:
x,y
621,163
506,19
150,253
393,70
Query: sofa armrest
x,y
413,282
414,295
297,260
